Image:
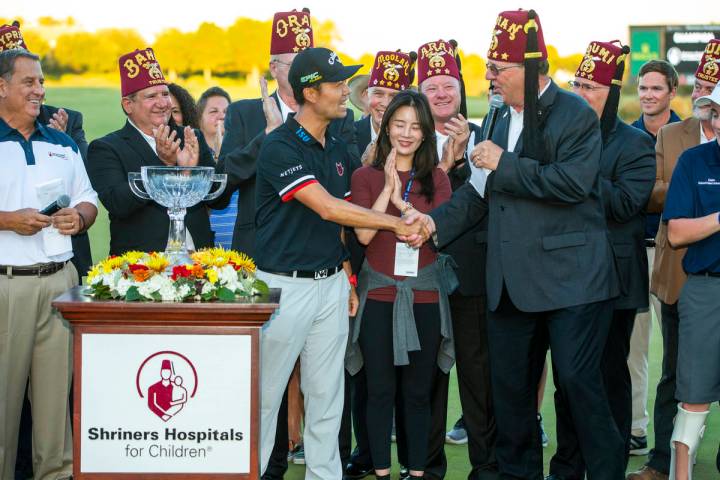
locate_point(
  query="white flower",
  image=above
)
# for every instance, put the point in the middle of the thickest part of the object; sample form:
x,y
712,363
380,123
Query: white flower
x,y
228,277
183,291
123,285
207,287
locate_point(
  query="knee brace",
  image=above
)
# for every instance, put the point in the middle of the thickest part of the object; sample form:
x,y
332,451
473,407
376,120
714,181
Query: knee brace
x,y
689,429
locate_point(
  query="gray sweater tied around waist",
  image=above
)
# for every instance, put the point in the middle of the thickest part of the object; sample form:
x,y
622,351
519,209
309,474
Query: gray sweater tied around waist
x,y
438,276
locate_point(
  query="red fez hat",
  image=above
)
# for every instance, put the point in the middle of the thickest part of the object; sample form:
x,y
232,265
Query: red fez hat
x,y
139,69
11,38
437,58
392,70
292,32
166,365
509,41
708,69
601,61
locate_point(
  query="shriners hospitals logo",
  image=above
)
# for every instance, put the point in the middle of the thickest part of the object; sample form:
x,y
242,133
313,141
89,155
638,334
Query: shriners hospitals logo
x,y
167,380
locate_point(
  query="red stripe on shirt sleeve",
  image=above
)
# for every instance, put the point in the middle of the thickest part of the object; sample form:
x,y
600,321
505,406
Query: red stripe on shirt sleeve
x,y
289,195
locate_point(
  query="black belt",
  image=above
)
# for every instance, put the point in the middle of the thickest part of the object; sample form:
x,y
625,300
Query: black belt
x,y
707,274
41,270
316,275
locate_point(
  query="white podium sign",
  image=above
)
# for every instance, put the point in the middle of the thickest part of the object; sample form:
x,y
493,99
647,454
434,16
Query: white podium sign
x,y
165,403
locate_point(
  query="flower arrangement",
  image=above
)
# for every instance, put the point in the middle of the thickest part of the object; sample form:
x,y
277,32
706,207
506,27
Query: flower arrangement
x,y
216,274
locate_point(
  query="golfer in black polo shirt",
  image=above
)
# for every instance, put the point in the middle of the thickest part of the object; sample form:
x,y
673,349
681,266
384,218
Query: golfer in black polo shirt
x,y
303,182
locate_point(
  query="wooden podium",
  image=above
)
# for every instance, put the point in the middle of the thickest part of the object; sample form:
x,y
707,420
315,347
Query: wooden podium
x,y
166,390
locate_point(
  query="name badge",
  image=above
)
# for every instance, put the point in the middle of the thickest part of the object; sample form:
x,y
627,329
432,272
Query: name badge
x,y
406,260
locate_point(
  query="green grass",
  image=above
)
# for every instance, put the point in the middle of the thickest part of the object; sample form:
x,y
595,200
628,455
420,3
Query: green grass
x,y
102,114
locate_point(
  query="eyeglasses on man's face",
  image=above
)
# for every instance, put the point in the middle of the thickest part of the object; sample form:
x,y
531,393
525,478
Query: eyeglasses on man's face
x,y
585,86
495,70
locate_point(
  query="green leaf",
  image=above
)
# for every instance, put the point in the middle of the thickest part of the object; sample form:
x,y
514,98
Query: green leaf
x,y
133,295
261,287
224,294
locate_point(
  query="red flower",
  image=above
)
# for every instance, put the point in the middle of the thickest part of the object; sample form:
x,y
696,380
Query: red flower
x,y
180,271
235,266
137,267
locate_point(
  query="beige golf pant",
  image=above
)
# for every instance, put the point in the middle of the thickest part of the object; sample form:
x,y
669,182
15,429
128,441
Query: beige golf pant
x,y
35,342
638,359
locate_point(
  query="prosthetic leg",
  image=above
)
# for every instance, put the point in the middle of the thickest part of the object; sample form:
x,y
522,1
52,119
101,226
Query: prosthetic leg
x,y
689,429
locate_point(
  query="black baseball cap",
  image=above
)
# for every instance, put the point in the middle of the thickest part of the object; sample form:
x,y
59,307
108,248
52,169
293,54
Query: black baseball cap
x,y
315,65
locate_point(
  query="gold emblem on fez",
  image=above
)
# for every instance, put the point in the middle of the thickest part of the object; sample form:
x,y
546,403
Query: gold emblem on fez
x,y
302,39
154,71
587,65
711,68
494,41
391,73
437,60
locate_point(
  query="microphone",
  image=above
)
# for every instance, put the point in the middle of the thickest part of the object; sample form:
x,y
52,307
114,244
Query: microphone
x,y
496,103
61,202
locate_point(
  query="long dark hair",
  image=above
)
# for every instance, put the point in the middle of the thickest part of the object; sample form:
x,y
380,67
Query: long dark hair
x,y
426,157
188,109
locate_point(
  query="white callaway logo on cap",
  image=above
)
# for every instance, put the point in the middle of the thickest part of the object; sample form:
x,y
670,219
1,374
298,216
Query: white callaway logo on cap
x,y
333,57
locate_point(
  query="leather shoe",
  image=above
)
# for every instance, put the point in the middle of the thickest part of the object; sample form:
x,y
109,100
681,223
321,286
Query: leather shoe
x,y
647,473
553,476
355,471
404,472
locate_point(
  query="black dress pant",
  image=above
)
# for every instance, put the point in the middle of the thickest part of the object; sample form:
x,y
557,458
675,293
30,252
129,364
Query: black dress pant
x,y
665,401
413,380
469,315
568,462
436,464
576,336
358,406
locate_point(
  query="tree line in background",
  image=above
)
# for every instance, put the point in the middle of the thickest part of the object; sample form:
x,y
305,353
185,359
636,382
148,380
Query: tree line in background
x,y
235,52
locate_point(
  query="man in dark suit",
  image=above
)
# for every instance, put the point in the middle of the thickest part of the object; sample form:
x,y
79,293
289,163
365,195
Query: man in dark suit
x,y
146,139
627,176
455,138
550,269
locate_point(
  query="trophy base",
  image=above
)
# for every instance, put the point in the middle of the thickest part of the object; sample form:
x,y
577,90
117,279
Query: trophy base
x,y
178,257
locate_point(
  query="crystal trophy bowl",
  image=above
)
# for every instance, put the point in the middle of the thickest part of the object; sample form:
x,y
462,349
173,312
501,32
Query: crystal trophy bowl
x,y
177,189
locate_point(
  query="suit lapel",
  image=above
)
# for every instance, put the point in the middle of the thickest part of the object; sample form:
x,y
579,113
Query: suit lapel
x,y
138,144
691,135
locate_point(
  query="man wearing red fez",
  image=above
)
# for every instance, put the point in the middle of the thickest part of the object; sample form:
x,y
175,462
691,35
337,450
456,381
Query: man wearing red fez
x,y
246,124
627,176
440,79
147,138
550,273
668,276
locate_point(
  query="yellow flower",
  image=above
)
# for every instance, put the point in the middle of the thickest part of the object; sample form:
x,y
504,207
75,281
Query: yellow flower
x,y
133,256
242,261
111,263
156,261
211,275
94,272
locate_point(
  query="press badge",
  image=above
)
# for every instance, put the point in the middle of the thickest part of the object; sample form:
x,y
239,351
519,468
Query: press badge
x,y
406,260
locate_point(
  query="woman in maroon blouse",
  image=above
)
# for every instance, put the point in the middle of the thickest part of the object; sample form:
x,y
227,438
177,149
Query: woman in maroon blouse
x,y
401,325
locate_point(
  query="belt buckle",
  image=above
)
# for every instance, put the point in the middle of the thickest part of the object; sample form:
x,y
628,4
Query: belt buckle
x,y
320,274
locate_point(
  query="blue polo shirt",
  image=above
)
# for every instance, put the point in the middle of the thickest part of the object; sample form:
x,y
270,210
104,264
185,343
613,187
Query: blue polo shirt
x,y
695,192
289,235
652,220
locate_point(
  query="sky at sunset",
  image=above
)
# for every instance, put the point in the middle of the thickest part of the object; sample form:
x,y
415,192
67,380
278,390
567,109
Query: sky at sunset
x,y
371,25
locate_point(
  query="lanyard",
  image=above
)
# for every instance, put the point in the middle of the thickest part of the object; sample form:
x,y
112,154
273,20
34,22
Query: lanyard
x,y
406,195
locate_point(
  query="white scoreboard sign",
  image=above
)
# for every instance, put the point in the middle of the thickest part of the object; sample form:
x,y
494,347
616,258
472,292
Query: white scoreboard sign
x,y
165,403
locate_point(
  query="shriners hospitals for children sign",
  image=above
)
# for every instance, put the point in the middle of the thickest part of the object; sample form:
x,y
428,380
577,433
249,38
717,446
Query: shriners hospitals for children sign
x,y
165,403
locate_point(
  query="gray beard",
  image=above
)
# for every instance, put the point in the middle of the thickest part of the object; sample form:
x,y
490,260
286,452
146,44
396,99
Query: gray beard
x,y
702,114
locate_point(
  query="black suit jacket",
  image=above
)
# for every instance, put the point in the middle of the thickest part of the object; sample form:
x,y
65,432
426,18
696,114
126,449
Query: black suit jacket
x,y
627,177
362,133
137,224
548,242
469,250
82,256
244,133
